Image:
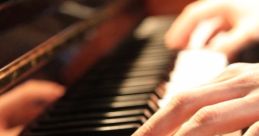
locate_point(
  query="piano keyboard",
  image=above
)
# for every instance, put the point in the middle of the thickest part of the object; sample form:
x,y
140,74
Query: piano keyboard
x,y
118,94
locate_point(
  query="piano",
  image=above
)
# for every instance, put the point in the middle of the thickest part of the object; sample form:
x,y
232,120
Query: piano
x,y
108,53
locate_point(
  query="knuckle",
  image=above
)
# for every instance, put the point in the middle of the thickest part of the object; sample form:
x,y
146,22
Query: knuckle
x,y
250,34
256,126
27,86
245,74
250,74
35,83
205,116
191,7
247,78
181,102
254,129
236,66
29,82
146,130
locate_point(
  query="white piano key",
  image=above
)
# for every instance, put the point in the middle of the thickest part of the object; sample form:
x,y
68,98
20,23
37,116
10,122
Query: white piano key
x,y
193,68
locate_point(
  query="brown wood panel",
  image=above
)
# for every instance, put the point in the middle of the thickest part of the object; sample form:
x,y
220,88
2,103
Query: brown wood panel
x,y
160,7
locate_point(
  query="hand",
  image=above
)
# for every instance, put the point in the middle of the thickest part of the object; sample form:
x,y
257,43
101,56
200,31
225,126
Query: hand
x,y
24,103
228,103
236,23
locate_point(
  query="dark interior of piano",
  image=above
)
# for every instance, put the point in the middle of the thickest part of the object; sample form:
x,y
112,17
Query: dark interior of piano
x,y
109,54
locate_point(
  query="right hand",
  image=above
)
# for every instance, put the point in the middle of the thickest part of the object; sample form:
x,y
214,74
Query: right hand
x,y
237,24
226,104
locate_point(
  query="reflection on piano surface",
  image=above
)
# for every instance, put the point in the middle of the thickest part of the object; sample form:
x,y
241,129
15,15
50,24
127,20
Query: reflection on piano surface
x,y
111,91
37,32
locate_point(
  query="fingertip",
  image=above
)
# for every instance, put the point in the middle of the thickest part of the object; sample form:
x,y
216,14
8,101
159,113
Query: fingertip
x,y
37,92
56,90
47,87
144,130
171,42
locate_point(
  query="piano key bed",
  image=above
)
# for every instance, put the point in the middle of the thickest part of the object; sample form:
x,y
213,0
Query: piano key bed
x,y
118,94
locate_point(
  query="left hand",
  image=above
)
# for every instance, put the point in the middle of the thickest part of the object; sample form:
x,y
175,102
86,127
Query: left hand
x,y
24,103
228,103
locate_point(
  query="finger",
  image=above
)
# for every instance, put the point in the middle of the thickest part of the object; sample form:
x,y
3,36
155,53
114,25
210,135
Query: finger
x,y
186,104
180,31
25,102
233,41
222,118
231,71
219,25
11,132
205,31
253,130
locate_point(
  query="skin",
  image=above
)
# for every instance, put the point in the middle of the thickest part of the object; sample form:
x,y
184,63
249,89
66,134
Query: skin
x,y
24,103
232,105
234,95
237,24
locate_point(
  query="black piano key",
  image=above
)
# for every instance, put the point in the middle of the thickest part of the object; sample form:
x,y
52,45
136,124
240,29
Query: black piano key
x,y
155,63
120,82
94,115
148,54
99,91
105,102
148,62
107,99
102,70
102,105
111,91
118,130
129,74
159,59
90,123
136,81
141,58
138,104
154,51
